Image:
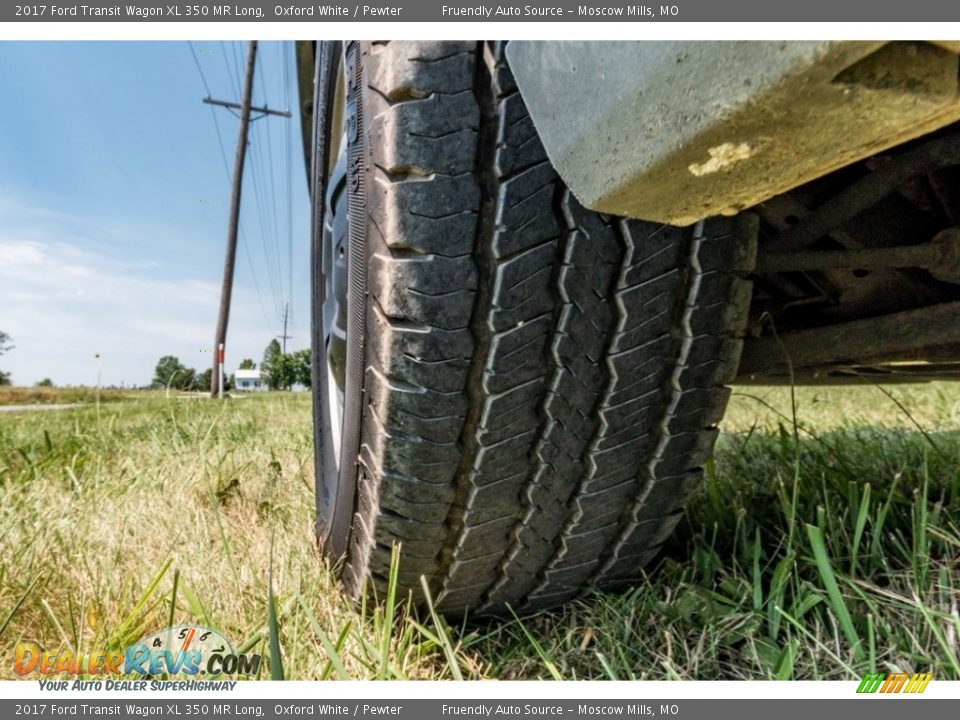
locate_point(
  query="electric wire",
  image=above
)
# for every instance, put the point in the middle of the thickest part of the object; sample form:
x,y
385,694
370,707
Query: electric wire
x,y
286,50
226,170
273,206
256,171
262,169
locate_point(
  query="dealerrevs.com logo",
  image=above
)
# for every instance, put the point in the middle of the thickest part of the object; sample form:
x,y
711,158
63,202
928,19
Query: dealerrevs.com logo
x,y
894,683
182,650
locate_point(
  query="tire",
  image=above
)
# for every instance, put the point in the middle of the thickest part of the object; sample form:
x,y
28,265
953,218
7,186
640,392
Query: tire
x,y
531,388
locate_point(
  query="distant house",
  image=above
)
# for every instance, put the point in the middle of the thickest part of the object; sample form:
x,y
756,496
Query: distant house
x,y
248,381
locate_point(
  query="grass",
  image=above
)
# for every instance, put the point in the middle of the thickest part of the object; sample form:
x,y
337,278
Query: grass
x,y
818,549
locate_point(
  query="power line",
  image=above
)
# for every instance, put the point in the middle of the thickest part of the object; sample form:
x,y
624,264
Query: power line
x,y
263,217
273,239
264,232
234,88
263,171
266,200
196,61
273,192
234,219
226,170
232,71
253,274
267,229
288,154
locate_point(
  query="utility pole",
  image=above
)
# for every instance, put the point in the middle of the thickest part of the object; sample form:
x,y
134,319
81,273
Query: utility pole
x,y
285,337
216,376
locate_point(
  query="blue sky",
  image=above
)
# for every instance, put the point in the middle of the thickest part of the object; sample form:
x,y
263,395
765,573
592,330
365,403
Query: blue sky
x,y
114,201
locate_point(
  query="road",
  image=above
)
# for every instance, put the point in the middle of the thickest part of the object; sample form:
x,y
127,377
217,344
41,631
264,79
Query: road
x,y
27,408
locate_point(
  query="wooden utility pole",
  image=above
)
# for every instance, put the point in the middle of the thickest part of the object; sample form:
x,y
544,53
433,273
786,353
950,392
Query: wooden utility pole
x,y
227,289
285,337
219,343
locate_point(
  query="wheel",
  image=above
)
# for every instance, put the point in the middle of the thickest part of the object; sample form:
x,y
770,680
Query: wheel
x,y
519,392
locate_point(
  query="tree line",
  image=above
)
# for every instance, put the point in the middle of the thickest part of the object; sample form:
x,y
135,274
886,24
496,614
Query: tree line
x,y
281,371
278,371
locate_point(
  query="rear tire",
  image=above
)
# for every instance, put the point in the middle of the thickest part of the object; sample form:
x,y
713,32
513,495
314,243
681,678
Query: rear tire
x,y
531,388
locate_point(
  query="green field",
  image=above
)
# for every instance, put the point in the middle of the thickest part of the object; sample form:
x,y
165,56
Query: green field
x,y
825,544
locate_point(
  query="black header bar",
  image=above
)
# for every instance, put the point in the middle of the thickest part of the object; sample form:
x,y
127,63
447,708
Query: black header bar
x,y
420,11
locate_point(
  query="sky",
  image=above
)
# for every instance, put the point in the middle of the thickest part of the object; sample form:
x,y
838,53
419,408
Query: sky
x,y
114,201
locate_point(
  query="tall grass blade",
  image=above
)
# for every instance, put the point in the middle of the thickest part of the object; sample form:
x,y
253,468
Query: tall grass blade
x,y
783,669
861,523
276,661
134,617
17,605
334,661
837,603
443,636
949,653
386,632
757,576
173,598
197,608
538,648
816,641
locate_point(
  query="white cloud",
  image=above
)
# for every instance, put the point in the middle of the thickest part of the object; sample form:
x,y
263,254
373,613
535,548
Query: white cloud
x,y
62,303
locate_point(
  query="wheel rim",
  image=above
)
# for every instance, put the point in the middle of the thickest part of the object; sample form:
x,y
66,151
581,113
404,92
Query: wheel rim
x,y
336,394
335,260
335,277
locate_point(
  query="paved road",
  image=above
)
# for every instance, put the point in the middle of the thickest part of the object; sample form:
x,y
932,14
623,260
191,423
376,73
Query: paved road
x,y
27,408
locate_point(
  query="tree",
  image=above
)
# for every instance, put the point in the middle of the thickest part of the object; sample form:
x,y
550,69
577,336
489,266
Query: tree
x,y
248,364
46,382
275,368
4,346
187,380
269,353
301,367
170,372
201,381
289,372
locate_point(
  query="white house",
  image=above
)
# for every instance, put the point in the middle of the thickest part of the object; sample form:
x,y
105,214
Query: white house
x,y
248,381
